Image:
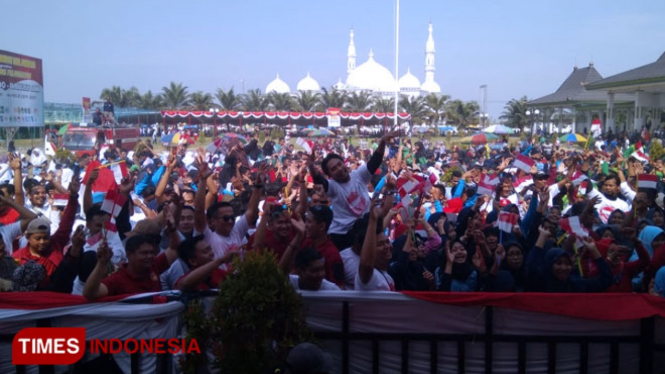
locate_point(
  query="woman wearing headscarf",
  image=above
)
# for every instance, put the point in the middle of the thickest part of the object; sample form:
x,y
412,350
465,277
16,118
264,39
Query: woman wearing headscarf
x,y
552,270
408,270
657,285
651,237
508,274
615,256
458,273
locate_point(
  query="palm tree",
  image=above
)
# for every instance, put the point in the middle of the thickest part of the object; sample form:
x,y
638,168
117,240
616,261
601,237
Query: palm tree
x,y
436,106
461,113
114,94
254,101
131,98
306,101
228,100
383,105
150,101
359,101
415,106
200,100
280,102
514,113
331,99
175,96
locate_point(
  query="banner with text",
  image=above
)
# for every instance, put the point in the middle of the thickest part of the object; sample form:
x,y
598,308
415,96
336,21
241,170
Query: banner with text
x,y
21,91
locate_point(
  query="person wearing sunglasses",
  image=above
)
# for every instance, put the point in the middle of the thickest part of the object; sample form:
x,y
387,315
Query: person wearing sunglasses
x,y
218,224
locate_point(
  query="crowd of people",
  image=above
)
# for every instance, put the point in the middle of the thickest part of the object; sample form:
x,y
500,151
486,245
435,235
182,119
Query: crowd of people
x,y
396,214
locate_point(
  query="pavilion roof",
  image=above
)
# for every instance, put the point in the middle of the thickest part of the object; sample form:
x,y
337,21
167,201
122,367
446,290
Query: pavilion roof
x,y
650,73
573,89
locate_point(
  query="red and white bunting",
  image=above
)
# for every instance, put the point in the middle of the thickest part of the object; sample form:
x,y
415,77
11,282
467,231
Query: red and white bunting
x,y
647,181
507,221
523,162
573,226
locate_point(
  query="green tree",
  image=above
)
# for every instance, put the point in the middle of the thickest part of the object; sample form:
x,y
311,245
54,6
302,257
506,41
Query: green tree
x,y
514,113
254,101
200,100
436,107
359,101
461,113
175,96
115,94
131,98
383,105
415,106
331,99
228,100
306,101
280,101
150,101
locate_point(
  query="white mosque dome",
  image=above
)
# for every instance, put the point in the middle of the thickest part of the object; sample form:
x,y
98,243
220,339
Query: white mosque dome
x,y
278,86
430,87
339,85
371,76
409,81
308,84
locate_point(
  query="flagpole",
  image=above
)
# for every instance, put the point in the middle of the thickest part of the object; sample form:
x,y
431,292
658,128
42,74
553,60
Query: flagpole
x,y
396,63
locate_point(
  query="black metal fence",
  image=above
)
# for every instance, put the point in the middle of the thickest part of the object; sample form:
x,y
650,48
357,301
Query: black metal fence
x,y
645,341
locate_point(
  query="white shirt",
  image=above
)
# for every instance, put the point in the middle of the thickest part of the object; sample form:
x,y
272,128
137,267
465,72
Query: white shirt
x,y
607,206
380,281
325,285
47,212
351,262
350,200
9,233
221,244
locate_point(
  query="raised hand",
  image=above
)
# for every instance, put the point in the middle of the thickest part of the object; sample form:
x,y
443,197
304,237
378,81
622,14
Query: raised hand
x,y
499,253
75,185
298,225
78,241
104,253
94,175
14,162
479,262
386,138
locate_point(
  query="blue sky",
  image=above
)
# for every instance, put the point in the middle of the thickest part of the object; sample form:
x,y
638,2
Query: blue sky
x,y
516,47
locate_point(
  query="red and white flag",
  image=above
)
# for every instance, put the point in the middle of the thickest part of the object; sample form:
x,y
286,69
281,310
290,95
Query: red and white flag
x,y
523,162
306,145
578,177
113,202
60,199
487,184
639,153
507,221
120,171
522,183
573,226
647,181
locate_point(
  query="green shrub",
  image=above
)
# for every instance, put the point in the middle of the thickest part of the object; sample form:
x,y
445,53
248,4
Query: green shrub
x,y
63,156
656,150
257,317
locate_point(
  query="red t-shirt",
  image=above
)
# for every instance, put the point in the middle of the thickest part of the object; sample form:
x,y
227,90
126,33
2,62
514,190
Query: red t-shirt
x,y
218,275
122,282
334,264
278,246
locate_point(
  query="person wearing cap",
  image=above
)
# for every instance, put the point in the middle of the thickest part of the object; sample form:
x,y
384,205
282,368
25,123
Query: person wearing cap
x,y
307,358
347,190
44,248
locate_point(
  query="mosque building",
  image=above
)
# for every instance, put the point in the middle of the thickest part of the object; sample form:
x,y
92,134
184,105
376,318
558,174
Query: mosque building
x,y
372,77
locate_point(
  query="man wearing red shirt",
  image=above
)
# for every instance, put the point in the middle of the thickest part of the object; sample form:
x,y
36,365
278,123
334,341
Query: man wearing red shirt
x,y
44,248
274,231
205,273
317,222
139,275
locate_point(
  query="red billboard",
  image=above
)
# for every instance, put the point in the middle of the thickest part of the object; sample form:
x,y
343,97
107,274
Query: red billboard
x,y
21,91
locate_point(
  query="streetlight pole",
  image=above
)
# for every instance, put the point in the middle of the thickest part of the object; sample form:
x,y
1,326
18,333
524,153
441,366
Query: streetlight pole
x,y
532,114
214,112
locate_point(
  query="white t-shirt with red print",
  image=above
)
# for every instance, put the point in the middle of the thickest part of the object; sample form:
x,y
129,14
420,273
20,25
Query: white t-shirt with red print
x,y
607,206
350,200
